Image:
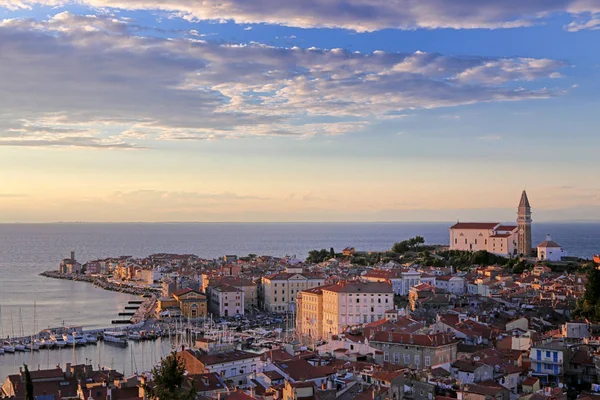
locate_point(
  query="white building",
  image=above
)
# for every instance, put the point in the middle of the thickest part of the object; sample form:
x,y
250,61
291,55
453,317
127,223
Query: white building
x,y
488,236
225,300
576,330
547,361
280,290
236,366
549,250
504,240
401,279
450,284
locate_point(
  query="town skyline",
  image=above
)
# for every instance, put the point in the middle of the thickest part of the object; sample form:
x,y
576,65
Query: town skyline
x,y
353,111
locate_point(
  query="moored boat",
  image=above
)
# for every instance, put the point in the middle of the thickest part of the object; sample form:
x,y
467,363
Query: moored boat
x,y
90,338
58,341
117,338
8,347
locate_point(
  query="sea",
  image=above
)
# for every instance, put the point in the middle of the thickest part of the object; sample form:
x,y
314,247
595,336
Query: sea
x,y
29,301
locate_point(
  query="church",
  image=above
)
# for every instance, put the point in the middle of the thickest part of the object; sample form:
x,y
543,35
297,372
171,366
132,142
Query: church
x,y
494,237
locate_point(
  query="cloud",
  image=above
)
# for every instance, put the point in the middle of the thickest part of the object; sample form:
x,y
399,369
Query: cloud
x,y
90,81
592,24
358,15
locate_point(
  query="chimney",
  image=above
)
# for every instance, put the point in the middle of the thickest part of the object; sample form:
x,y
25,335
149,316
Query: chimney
x,y
73,256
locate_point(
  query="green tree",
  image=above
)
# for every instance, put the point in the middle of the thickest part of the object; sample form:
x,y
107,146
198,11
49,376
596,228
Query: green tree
x,y
588,306
317,256
28,384
168,380
400,247
332,253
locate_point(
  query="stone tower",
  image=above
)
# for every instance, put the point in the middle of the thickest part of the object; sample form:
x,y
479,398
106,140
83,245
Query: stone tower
x,y
524,221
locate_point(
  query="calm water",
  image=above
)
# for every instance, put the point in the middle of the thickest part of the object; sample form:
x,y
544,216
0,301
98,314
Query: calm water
x,y
28,249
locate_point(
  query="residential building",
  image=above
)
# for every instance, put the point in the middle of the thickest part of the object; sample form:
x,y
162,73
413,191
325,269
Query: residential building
x,y
547,361
576,330
416,351
246,285
328,310
471,371
400,279
225,300
450,284
235,366
281,289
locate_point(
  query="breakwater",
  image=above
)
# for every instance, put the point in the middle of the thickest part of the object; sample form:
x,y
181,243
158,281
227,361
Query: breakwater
x,y
103,283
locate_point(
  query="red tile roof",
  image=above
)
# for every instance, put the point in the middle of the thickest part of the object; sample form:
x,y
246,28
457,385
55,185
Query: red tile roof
x,y
475,225
435,340
360,287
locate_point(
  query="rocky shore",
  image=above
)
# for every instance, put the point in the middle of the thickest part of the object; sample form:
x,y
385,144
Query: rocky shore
x,y
103,283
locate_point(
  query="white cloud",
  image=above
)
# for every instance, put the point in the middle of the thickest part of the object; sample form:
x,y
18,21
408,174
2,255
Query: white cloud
x,y
89,75
359,15
592,24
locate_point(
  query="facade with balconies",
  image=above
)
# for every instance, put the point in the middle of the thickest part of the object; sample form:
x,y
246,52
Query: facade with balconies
x,y
547,361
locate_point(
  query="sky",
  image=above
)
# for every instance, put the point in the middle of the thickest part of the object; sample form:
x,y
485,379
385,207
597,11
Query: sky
x,y
314,110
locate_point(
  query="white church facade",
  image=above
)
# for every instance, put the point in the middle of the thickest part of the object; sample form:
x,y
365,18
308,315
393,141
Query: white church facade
x,y
494,237
549,250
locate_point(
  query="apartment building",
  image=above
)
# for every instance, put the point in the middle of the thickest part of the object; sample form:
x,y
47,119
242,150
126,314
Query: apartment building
x,y
416,351
547,361
225,300
329,310
281,289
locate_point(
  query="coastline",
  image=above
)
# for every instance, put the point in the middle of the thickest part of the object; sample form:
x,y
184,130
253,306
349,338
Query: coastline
x,y
103,283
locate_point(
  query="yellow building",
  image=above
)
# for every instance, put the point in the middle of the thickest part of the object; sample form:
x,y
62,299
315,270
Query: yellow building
x,y
309,315
329,310
192,303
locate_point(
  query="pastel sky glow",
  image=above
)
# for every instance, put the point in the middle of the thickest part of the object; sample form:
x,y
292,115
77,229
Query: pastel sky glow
x,y
270,110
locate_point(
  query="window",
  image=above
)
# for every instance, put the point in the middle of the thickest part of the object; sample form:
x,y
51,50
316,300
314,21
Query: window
x,y
276,292
396,358
465,241
475,241
407,359
358,300
455,241
427,361
379,301
547,354
386,356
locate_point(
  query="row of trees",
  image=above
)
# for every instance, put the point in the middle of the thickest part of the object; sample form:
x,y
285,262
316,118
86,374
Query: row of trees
x,y
318,256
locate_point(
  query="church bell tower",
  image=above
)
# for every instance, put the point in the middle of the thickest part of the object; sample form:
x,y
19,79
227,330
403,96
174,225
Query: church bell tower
x,y
524,222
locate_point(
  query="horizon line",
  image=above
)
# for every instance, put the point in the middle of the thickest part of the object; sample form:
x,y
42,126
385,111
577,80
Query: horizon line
x,y
279,222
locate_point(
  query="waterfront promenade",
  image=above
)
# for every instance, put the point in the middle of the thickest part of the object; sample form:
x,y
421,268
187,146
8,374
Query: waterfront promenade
x,y
104,283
